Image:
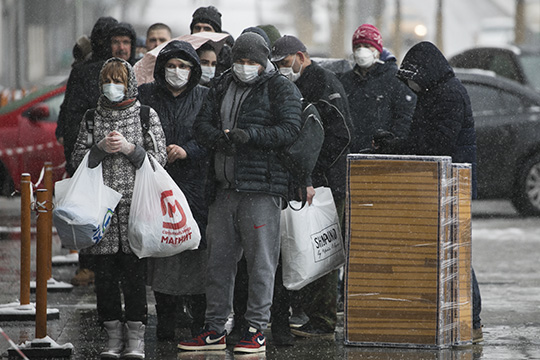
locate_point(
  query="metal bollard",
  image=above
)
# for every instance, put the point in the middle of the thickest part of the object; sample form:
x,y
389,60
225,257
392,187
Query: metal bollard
x,y
44,214
49,186
26,211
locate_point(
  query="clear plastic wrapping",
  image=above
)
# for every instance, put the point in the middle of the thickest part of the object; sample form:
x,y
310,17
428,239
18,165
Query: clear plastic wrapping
x,y
408,271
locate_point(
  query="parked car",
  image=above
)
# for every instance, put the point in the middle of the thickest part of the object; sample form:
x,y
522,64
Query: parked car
x,y
27,138
507,121
520,64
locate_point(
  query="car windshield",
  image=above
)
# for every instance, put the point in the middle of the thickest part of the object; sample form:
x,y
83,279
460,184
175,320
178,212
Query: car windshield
x,y
531,64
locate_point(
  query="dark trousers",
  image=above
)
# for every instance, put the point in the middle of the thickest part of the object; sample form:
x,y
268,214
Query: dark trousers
x,y
120,274
476,302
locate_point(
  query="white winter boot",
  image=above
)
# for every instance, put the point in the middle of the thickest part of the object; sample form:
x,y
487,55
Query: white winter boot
x,y
115,345
134,340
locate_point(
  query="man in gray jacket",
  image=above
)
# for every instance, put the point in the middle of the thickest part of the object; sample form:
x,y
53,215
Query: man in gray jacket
x,y
248,116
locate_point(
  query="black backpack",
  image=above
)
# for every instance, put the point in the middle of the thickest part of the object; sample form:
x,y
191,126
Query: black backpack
x,y
89,119
301,156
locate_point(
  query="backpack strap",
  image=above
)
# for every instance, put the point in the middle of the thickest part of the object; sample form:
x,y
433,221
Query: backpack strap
x,y
145,118
89,121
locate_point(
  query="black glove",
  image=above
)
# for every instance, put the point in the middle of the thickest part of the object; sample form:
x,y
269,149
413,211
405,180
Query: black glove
x,y
382,139
225,146
238,136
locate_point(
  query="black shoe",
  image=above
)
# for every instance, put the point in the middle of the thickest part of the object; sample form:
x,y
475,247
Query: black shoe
x,y
237,332
282,338
308,330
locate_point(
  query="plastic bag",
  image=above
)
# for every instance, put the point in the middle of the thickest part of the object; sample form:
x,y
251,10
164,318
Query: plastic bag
x,y
311,240
160,221
84,206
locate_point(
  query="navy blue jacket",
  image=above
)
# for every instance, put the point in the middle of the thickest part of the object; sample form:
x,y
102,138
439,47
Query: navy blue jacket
x,y
377,100
442,123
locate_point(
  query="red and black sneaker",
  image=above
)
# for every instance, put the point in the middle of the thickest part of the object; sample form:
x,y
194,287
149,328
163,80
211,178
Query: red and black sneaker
x,y
252,342
206,340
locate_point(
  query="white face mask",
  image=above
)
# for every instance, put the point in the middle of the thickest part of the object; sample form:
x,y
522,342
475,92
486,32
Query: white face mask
x,y
113,92
208,73
365,58
177,77
246,73
289,72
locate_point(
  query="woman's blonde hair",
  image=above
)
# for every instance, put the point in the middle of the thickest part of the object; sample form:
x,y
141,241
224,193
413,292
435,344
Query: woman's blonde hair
x,y
116,71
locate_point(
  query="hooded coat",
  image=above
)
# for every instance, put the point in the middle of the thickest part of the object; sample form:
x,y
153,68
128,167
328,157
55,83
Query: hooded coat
x,y
82,89
442,123
125,29
377,100
182,274
119,169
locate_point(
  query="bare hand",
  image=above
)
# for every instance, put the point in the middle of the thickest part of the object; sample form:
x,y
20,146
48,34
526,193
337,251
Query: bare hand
x,y
310,191
175,152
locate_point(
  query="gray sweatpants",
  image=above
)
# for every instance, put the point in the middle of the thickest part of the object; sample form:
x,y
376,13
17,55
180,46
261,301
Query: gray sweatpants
x,y
239,223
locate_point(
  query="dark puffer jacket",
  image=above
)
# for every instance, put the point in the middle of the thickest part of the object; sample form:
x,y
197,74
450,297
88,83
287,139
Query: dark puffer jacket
x,y
377,100
177,115
442,123
82,90
321,87
270,114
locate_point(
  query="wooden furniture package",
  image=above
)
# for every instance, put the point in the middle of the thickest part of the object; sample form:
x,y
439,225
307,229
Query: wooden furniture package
x,y
408,271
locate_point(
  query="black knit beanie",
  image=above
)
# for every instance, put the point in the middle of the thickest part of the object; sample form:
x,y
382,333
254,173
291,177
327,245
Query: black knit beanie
x,y
207,15
251,46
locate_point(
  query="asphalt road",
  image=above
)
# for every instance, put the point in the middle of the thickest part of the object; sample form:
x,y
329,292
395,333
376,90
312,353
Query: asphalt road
x,y
505,258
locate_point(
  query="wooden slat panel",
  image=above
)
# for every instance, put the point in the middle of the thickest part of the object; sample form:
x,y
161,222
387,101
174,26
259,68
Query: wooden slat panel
x,y
392,273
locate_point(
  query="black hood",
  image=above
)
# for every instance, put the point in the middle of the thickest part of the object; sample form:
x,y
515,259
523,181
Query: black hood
x,y
425,65
101,48
125,29
181,50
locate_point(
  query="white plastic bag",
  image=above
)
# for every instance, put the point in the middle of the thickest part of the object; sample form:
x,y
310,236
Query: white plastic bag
x,y
83,207
160,220
311,241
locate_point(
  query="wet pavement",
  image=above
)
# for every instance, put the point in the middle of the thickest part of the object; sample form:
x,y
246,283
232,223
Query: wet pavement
x,y
505,258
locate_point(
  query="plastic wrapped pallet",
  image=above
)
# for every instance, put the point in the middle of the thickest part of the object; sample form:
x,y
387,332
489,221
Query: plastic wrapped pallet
x,y
402,273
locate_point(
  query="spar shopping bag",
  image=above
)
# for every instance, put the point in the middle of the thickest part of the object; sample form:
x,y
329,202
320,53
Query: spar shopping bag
x,y
311,241
160,220
84,206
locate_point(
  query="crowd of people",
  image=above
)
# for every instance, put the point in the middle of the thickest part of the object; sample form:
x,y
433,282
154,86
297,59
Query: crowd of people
x,y
217,119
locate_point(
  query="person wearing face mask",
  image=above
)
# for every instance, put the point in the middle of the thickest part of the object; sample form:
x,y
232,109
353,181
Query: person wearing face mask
x,y
248,115
322,88
120,145
377,99
208,58
176,96
442,125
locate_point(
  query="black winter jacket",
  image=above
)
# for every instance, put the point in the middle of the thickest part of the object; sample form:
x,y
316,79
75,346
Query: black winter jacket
x,y
322,88
177,115
377,100
270,114
82,90
442,123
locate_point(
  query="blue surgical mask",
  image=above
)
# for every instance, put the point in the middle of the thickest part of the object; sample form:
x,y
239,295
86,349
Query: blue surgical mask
x,y
113,92
246,73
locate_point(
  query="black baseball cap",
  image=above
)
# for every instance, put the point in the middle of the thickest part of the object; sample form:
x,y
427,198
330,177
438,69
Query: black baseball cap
x,y
285,46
